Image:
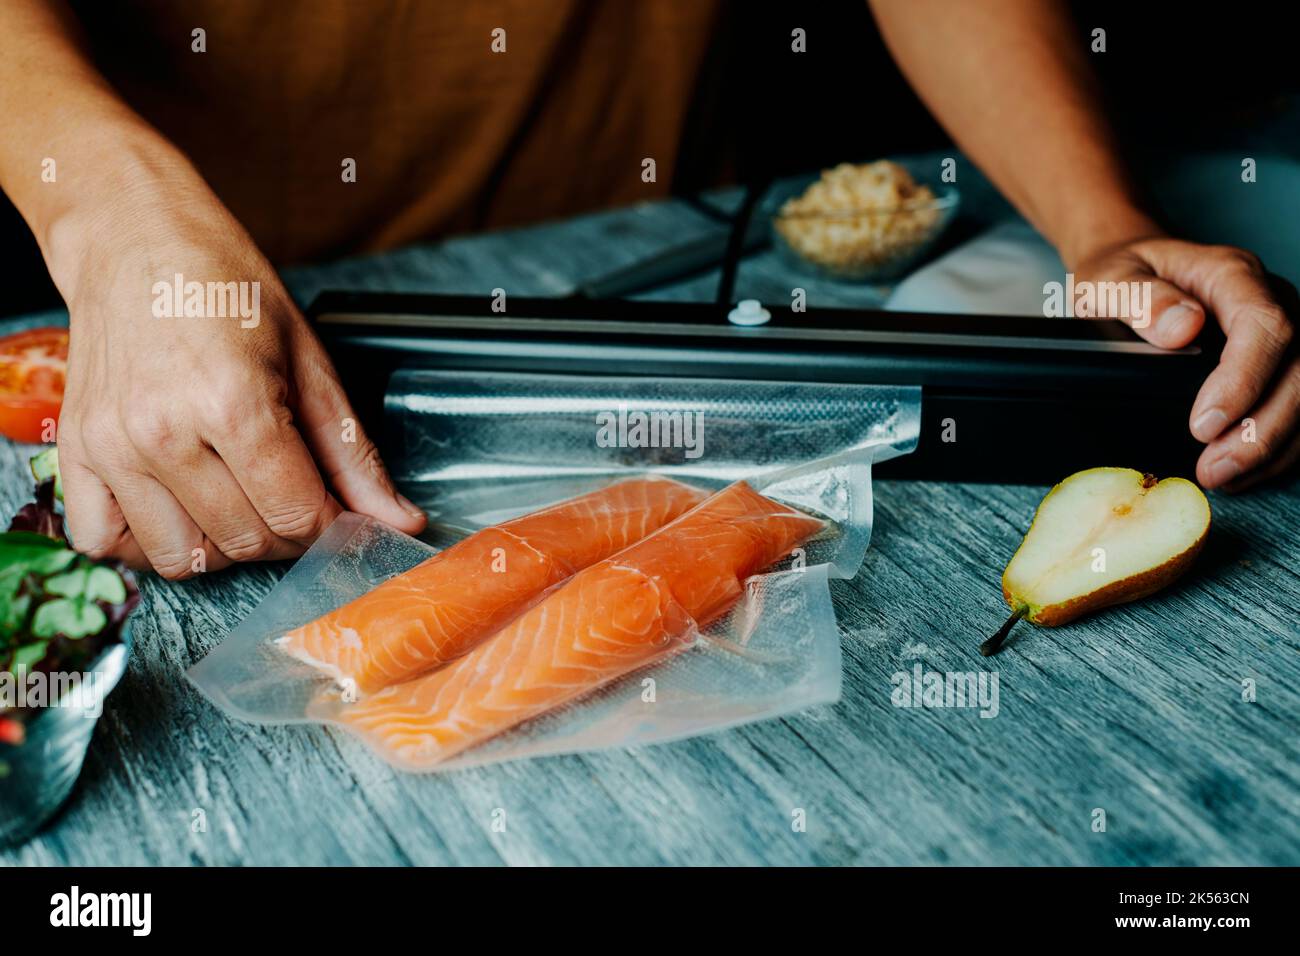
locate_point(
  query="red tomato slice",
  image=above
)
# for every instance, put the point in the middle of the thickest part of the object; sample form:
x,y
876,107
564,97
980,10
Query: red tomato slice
x,y
33,368
11,732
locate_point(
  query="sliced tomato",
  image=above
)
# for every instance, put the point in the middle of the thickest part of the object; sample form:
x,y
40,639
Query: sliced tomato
x,y
11,732
33,369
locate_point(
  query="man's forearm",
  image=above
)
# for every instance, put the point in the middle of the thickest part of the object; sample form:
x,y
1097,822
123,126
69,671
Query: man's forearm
x,y
55,106
1009,79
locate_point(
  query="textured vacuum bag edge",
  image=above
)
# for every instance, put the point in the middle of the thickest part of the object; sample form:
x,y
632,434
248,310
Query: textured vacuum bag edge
x,y
479,448
247,675
776,652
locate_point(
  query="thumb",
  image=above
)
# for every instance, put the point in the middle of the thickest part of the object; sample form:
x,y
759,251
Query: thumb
x,y
1176,318
1154,308
348,458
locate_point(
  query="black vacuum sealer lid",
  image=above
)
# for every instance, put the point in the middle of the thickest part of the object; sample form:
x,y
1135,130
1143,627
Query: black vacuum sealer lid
x,y
697,339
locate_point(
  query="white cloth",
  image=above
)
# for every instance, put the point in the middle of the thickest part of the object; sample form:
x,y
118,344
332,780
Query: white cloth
x,y
1001,271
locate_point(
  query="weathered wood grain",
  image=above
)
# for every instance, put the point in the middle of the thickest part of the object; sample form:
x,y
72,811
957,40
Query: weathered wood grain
x,y
1137,711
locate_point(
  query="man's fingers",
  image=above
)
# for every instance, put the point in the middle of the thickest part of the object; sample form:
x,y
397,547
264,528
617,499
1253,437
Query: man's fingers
x,y
1234,285
348,457
96,524
205,487
1281,463
173,544
1253,448
279,479
1259,336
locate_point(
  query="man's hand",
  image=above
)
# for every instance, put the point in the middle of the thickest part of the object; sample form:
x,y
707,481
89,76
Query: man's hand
x,y
184,442
1012,81
1258,376
189,443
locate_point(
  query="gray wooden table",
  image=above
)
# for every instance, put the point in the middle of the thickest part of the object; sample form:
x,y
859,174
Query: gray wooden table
x,y
1138,712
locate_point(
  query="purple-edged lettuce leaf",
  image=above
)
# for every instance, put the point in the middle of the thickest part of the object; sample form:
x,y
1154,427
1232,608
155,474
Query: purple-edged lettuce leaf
x,y
39,516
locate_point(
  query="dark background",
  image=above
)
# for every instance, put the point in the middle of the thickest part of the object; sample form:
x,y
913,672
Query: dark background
x,y
1176,76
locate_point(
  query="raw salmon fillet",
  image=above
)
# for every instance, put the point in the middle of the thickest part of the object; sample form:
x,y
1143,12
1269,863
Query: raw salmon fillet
x,y
444,606
606,621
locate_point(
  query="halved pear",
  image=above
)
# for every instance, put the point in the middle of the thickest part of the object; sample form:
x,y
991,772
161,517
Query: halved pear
x,y
1104,536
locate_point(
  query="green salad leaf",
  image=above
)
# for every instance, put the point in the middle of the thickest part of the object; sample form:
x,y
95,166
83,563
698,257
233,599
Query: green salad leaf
x,y
28,655
72,617
58,608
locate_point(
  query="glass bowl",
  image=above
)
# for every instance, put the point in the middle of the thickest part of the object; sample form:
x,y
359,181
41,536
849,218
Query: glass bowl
x,y
867,245
37,775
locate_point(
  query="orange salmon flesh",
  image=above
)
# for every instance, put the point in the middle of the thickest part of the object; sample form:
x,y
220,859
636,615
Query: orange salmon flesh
x,y
440,609
612,618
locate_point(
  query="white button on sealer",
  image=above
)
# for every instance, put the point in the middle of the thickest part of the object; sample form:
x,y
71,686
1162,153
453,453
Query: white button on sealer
x,y
749,312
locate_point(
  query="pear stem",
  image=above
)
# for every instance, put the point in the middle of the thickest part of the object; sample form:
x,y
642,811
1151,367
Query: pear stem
x,y
994,643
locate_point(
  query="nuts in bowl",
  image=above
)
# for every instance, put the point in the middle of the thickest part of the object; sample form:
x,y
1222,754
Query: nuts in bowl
x,y
867,222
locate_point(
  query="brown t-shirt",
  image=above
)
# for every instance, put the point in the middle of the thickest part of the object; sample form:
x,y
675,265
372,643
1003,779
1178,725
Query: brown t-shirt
x,y
447,134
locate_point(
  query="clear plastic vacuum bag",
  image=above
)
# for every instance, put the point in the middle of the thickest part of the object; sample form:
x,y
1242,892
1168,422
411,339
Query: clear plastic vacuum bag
x,y
479,449
468,435
778,653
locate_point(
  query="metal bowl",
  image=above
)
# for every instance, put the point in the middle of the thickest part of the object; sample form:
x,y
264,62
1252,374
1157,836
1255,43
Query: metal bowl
x,y
37,776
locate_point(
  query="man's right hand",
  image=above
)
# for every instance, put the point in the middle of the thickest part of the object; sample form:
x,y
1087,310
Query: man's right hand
x,y
189,443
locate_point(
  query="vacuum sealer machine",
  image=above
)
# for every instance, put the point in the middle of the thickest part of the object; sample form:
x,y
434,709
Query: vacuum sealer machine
x,y
1008,399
